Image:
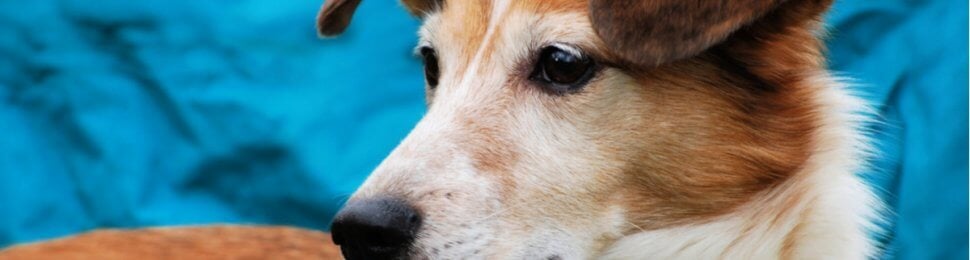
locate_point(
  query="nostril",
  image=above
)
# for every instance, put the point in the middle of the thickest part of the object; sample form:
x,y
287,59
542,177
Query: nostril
x,y
375,228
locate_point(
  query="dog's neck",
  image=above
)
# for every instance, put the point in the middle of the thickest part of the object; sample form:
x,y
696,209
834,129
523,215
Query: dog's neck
x,y
825,206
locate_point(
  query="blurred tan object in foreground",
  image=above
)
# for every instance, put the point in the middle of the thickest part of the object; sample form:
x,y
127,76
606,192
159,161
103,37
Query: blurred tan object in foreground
x,y
198,242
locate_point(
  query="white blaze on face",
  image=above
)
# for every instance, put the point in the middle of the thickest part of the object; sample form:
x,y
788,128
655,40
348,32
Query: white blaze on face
x,y
499,8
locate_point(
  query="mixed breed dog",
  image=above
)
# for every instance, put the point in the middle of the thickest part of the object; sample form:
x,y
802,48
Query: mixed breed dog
x,y
618,129
599,129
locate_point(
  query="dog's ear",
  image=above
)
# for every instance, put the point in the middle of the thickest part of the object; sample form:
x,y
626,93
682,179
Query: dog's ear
x,y
654,32
334,16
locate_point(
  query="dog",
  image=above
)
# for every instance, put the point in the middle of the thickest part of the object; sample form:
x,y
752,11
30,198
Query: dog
x,y
619,129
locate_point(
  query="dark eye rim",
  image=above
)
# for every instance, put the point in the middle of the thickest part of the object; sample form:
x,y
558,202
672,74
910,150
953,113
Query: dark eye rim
x,y
428,53
539,76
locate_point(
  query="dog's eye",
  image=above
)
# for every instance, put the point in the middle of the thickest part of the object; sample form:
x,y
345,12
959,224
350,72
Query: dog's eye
x,y
563,71
430,66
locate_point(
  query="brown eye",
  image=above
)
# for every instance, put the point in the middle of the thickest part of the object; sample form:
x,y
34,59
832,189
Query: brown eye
x,y
561,70
430,66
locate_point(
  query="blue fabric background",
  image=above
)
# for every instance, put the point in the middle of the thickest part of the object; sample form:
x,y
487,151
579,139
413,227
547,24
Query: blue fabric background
x,y
119,113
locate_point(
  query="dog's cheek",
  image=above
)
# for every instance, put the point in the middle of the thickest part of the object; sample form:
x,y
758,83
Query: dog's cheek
x,y
567,171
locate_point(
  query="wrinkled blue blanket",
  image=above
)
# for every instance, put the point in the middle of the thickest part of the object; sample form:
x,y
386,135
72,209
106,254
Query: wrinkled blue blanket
x,y
118,113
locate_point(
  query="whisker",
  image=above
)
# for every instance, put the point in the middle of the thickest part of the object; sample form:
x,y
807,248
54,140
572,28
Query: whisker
x,y
499,212
635,225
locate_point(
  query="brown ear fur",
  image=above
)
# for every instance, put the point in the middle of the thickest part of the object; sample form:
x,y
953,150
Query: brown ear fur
x,y
650,33
334,16
783,44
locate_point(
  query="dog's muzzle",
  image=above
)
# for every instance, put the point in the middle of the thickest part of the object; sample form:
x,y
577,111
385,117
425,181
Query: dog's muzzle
x,y
375,229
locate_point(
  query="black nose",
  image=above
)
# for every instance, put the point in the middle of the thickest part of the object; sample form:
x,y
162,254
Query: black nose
x,y
375,228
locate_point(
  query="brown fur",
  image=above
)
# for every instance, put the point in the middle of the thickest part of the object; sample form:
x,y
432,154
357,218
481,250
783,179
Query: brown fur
x,y
757,80
335,16
211,242
651,33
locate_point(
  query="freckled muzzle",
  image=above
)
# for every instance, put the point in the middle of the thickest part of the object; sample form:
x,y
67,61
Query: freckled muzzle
x,y
376,229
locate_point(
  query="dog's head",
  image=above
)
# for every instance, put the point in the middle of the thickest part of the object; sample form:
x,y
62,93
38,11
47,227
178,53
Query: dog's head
x,y
555,128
